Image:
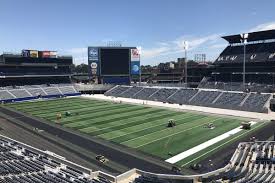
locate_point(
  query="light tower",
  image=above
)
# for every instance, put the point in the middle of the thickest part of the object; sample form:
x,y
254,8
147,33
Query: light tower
x,y
139,52
244,38
185,47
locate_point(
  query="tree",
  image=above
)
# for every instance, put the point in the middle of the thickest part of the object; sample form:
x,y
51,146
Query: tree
x,y
80,69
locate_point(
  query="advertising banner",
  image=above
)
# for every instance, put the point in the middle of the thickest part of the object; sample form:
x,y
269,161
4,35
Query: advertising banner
x,y
34,53
92,53
135,67
94,68
25,53
93,60
53,54
45,54
135,55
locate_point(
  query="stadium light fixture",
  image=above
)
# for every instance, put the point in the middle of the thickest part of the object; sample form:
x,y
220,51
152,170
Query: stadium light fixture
x,y
244,38
139,49
139,52
185,47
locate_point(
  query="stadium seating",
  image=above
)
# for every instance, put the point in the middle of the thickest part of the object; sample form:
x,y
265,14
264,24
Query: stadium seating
x,y
20,93
236,86
67,89
199,97
52,91
145,93
256,102
205,98
227,86
254,52
36,91
29,92
252,162
162,94
92,87
131,92
182,96
230,100
20,164
228,71
116,91
6,95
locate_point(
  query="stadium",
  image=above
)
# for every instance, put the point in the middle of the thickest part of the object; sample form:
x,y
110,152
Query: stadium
x,y
120,129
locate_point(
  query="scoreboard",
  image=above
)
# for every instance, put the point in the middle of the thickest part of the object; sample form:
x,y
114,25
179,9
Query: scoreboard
x,y
113,61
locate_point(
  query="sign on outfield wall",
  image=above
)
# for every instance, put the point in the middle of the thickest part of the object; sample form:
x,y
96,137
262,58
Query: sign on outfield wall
x,y
26,53
34,53
53,54
135,61
45,54
93,60
135,55
135,67
92,53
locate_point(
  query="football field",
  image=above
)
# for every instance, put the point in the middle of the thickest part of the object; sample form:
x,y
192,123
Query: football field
x,y
137,126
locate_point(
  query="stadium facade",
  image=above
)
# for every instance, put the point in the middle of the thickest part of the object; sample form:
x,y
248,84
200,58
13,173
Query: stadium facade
x,y
35,74
34,67
228,72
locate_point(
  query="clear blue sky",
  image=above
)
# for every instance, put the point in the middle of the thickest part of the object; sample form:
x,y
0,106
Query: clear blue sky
x,y
158,26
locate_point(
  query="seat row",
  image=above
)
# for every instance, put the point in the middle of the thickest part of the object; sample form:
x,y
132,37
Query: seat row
x,y
237,86
252,162
36,91
254,102
18,164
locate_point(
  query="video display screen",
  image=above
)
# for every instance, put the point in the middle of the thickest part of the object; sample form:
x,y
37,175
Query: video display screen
x,y
115,61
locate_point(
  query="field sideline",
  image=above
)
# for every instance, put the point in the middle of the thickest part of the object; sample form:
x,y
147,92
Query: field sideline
x,y
137,126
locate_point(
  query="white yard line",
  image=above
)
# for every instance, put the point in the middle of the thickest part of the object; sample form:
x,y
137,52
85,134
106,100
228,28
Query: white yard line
x,y
204,145
217,147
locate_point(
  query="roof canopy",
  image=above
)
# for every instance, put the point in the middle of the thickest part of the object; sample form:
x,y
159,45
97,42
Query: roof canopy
x,y
253,36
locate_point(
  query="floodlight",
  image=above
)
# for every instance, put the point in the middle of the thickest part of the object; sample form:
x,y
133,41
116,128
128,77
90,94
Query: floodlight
x,y
185,45
139,49
244,35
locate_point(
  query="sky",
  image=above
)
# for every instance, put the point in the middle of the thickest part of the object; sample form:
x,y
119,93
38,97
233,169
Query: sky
x,y
159,27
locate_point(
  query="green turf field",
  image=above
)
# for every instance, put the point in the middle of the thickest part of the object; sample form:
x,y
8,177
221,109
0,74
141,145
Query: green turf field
x,y
136,126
